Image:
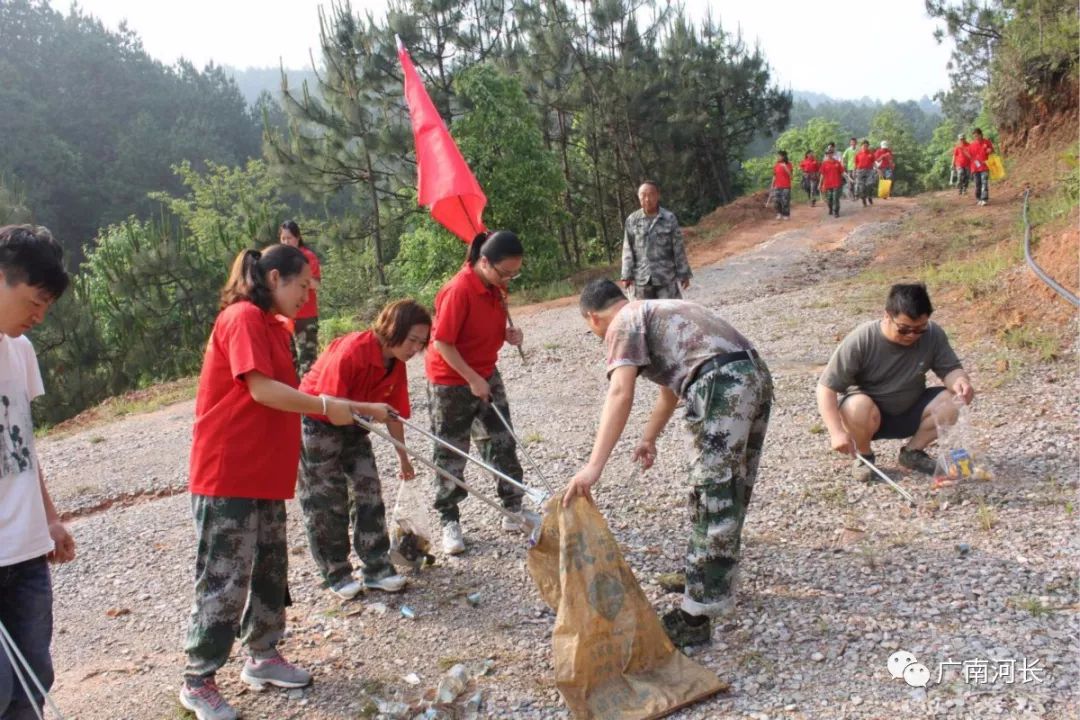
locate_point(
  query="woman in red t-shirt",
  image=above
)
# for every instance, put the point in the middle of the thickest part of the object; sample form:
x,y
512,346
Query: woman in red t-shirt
x,y
781,186
339,480
244,453
810,176
463,382
306,327
865,175
961,164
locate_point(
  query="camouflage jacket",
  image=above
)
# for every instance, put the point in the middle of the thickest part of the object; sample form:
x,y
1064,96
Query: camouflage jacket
x,y
653,249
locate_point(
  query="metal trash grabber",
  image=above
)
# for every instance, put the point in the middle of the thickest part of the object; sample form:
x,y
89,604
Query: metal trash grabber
x,y
21,669
537,496
536,466
903,493
523,518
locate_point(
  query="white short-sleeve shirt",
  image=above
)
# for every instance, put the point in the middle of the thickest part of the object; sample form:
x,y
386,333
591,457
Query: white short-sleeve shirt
x,y
24,531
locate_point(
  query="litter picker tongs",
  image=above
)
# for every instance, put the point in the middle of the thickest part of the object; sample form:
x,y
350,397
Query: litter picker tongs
x,y
530,520
903,493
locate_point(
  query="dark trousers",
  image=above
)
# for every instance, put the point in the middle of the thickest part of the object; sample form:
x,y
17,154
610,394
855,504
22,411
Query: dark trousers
x,y
26,612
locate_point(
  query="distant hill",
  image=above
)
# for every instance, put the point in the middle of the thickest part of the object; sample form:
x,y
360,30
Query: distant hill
x,y
813,99
253,81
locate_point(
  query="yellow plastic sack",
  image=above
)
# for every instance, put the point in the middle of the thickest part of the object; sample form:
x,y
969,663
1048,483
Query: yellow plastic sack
x,y
996,167
884,187
613,660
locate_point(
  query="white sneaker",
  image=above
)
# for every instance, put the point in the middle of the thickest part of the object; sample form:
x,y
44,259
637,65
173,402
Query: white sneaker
x,y
390,584
453,541
779,216
347,589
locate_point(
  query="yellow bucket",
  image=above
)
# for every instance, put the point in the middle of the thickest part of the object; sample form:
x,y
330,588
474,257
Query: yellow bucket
x,y
996,167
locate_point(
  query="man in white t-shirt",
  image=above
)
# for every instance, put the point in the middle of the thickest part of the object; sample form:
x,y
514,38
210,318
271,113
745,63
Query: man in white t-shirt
x,y
32,277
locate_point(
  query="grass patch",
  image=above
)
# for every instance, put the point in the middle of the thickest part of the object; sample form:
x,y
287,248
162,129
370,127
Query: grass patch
x,y
533,438
817,429
543,293
1038,342
96,439
986,515
132,403
977,277
835,495
1033,605
552,346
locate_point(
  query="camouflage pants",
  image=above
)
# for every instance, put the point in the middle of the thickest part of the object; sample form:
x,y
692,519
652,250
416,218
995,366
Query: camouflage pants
x,y
670,291
457,415
305,344
339,484
810,185
832,197
241,580
782,201
866,184
727,410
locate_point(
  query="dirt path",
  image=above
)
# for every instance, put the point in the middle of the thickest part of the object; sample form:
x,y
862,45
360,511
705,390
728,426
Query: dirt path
x,y
837,576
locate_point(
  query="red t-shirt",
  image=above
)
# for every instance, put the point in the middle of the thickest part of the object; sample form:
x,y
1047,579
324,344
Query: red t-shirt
x,y
241,448
809,165
781,175
864,160
961,157
472,317
832,173
311,307
980,150
352,367
884,157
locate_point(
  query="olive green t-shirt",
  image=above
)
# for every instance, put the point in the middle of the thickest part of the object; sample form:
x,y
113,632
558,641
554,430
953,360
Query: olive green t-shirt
x,y
893,375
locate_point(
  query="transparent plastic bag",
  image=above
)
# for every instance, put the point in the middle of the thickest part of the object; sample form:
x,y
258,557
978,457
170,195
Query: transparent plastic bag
x,y
959,456
410,530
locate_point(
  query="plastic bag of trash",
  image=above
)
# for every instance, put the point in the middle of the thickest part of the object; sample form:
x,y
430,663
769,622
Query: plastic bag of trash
x,y
410,530
612,659
958,455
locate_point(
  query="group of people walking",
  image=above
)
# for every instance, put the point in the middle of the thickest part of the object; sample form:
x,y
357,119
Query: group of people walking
x,y
869,173
865,173
271,421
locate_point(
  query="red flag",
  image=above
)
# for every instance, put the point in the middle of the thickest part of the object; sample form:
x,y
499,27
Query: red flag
x,y
446,183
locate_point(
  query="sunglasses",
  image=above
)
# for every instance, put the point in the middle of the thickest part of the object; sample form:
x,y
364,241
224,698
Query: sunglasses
x,y
906,330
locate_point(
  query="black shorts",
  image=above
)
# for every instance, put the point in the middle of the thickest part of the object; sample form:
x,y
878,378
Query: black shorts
x,y
902,425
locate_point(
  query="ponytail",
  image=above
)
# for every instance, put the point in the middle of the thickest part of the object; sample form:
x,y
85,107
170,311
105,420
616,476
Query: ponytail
x,y
495,246
247,278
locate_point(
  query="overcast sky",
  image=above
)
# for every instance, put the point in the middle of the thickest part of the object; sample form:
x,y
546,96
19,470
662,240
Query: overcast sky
x,y
831,47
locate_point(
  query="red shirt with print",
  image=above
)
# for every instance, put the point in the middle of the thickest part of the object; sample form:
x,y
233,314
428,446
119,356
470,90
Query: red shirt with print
x,y
241,448
310,309
353,367
864,160
782,175
472,317
980,150
832,173
809,165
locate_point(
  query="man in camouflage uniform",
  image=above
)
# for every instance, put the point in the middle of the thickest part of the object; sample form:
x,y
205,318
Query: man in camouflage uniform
x,y
654,258
239,538
699,358
456,416
339,483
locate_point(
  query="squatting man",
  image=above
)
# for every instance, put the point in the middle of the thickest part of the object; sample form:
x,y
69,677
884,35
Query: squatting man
x,y
874,387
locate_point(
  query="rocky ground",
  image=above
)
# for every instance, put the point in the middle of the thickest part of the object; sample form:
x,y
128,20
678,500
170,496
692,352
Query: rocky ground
x,y
837,576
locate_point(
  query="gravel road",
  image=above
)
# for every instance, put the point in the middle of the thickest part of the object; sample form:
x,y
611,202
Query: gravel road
x,y
836,576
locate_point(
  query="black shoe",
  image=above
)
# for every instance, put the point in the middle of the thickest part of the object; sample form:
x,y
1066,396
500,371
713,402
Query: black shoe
x,y
917,460
686,630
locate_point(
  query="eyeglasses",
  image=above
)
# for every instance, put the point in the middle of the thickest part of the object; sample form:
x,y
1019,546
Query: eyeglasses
x,y
503,274
906,330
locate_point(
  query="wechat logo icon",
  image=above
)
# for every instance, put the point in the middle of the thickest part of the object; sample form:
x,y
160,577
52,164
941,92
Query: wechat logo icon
x,y
903,664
